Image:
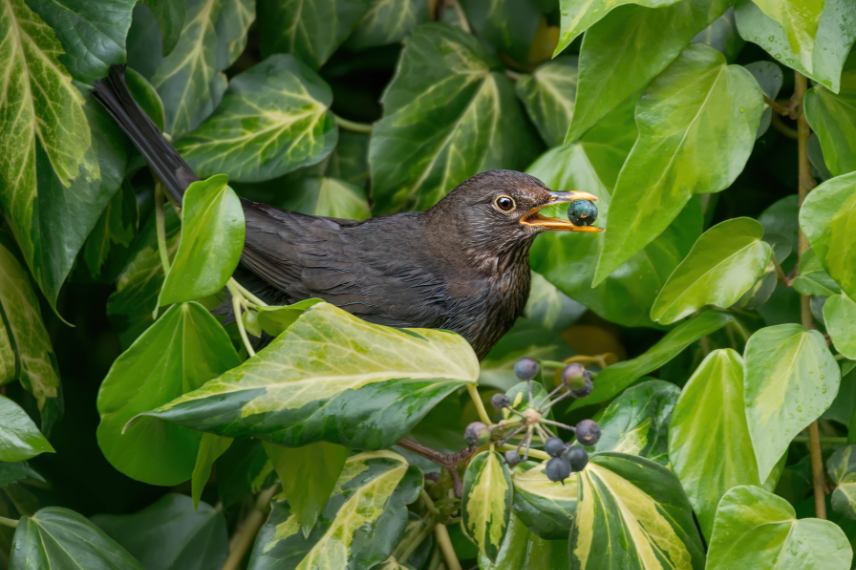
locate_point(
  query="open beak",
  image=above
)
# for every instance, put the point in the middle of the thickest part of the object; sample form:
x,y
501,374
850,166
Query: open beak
x,y
533,218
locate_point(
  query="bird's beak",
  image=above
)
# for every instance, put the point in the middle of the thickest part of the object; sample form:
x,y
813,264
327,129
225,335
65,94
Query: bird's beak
x,y
533,218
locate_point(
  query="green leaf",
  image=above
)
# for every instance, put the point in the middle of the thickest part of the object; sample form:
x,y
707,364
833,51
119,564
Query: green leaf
x,y
388,22
839,314
548,97
211,447
632,513
274,118
841,467
274,319
92,33
690,141
722,35
190,80
55,537
828,219
181,350
770,78
309,29
508,27
791,379
171,534
799,35
308,475
20,439
361,523
8,359
212,239
372,386
33,361
116,227
447,115
546,507
813,279
756,529
323,196
170,16
709,444
579,15
833,118
637,421
621,54
781,227
613,379
522,548
486,503
722,265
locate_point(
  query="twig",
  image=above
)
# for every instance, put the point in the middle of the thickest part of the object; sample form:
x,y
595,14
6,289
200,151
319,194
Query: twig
x,y
13,523
353,126
441,533
780,126
780,273
245,533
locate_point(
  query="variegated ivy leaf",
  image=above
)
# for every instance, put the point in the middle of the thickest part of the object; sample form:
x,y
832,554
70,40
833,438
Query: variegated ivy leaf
x,y
274,118
20,439
637,422
632,514
190,80
448,113
548,96
546,507
841,467
331,376
359,526
486,503
524,549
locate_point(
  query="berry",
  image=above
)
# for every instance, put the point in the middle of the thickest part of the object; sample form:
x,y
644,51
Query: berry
x,y
585,389
557,469
526,369
512,458
574,375
477,433
500,401
554,446
588,432
582,213
576,456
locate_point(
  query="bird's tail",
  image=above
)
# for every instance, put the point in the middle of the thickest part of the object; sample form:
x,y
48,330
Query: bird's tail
x,y
112,92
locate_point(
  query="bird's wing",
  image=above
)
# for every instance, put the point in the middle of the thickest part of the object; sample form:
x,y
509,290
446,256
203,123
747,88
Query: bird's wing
x,y
362,269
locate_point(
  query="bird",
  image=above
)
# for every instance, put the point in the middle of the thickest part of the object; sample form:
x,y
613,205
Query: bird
x,y
461,265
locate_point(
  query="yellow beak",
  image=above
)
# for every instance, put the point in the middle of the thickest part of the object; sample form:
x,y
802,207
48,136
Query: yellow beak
x,y
533,218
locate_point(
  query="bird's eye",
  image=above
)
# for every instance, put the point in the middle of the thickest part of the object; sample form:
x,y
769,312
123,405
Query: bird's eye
x,y
504,203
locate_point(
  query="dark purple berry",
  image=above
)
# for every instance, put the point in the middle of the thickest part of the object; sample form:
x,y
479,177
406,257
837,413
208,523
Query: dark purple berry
x,y
583,390
582,213
557,469
512,458
500,401
588,432
477,433
554,446
526,369
573,376
577,457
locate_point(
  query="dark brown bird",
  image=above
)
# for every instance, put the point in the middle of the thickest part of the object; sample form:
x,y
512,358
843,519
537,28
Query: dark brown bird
x,y
461,265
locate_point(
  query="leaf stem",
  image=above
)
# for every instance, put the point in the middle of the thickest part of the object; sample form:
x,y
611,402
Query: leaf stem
x,y
353,126
533,452
804,184
160,228
12,523
445,543
245,533
237,309
477,401
247,294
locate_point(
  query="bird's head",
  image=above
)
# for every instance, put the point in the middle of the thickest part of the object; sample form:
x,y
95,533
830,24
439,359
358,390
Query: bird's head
x,y
498,211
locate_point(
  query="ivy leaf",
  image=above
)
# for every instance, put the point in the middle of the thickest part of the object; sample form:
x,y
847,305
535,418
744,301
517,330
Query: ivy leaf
x,y
810,36
323,196
522,548
754,527
486,503
839,314
29,347
360,524
274,118
684,146
613,379
828,218
833,118
632,513
170,16
709,444
181,350
55,537
447,115
770,78
637,421
546,507
548,96
388,22
621,54
508,27
212,238
373,385
791,379
579,15
92,33
211,447
116,226
20,439
190,80
841,467
171,534
724,263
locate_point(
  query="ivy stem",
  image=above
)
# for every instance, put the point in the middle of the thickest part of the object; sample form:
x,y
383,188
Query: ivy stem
x,y
825,439
237,309
247,294
353,126
804,184
533,452
477,401
245,533
12,523
160,228
445,543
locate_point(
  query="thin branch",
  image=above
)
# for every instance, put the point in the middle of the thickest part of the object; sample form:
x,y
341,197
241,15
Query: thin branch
x,y
353,126
780,126
441,533
245,533
12,523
